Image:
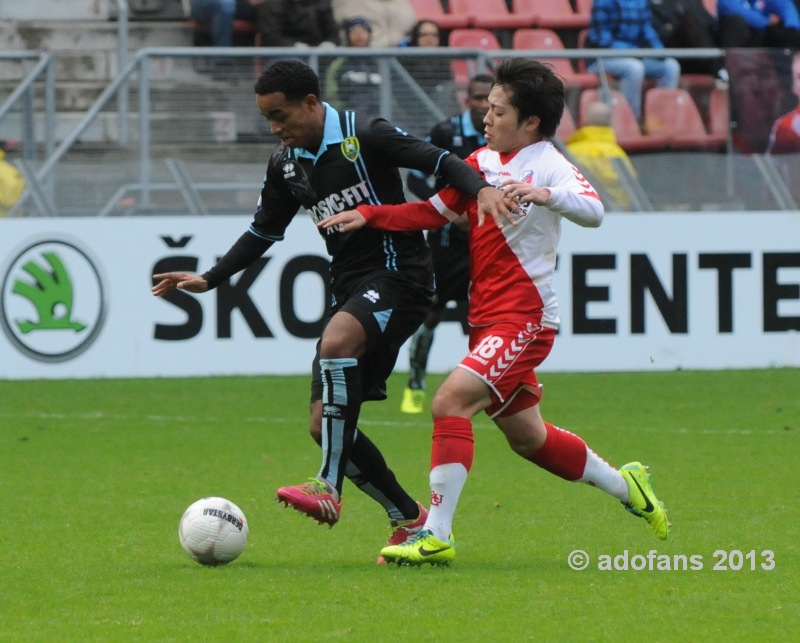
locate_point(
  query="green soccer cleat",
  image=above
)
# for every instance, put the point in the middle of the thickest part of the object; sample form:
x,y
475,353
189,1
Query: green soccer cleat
x,y
402,531
642,501
421,549
413,401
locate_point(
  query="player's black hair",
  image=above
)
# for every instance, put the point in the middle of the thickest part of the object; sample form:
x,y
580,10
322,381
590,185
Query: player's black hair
x,y
479,78
292,77
534,90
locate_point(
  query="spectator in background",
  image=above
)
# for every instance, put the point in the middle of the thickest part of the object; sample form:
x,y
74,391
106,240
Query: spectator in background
x,y
354,82
391,20
297,23
687,24
461,134
12,184
220,14
594,147
628,24
785,135
433,75
770,23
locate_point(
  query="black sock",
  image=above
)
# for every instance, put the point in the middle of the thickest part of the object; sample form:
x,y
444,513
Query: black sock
x,y
368,470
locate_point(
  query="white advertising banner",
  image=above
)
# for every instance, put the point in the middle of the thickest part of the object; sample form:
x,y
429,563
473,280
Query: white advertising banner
x,y
642,292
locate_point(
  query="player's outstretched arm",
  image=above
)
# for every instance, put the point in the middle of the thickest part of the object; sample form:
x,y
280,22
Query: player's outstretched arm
x,y
168,281
344,221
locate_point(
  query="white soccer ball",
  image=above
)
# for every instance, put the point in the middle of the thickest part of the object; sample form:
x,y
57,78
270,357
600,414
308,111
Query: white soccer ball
x,y
213,531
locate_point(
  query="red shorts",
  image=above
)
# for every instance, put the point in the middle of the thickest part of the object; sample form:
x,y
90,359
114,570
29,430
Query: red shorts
x,y
505,356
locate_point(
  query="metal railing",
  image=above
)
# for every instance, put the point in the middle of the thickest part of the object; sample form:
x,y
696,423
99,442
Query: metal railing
x,y
24,92
179,181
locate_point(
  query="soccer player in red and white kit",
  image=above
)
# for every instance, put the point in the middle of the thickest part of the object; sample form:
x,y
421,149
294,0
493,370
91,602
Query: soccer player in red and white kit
x,y
785,135
513,309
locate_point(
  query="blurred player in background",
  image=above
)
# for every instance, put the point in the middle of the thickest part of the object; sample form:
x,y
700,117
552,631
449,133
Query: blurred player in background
x,y
513,308
785,135
381,282
462,134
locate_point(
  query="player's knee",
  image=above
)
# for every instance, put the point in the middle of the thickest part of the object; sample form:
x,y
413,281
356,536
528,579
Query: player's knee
x,y
340,345
522,446
450,402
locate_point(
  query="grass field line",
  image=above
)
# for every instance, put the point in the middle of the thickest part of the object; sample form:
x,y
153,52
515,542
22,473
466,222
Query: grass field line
x,y
210,419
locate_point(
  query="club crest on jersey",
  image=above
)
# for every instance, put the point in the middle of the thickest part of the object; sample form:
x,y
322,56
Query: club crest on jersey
x,y
351,148
526,176
289,169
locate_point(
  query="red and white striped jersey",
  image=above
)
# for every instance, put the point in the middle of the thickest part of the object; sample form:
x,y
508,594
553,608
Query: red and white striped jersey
x,y
511,268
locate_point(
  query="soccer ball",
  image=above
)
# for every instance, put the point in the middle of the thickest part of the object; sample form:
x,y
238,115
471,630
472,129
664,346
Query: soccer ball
x,y
213,531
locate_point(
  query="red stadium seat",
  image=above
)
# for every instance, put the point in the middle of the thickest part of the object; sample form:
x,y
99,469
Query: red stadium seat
x,y
549,39
491,14
551,14
624,123
719,111
673,113
583,8
566,127
432,10
482,39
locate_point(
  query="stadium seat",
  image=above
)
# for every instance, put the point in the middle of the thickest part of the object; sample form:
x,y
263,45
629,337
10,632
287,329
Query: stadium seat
x,y
566,127
551,14
549,39
491,14
624,123
673,113
719,114
482,39
582,35
584,8
432,10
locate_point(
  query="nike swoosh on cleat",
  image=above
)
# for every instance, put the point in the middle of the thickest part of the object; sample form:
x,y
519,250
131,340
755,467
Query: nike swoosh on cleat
x,y
649,506
431,552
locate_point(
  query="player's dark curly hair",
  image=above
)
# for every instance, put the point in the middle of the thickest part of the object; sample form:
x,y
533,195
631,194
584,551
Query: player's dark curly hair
x,y
534,90
292,77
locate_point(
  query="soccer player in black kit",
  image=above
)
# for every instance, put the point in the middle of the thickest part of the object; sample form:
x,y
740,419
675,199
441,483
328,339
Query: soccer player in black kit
x,y
381,282
461,134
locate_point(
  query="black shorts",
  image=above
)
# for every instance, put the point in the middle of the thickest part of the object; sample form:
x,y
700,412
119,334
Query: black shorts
x,y
450,250
390,306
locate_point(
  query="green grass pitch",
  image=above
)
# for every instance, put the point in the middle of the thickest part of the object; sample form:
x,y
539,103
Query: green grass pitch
x,y
96,474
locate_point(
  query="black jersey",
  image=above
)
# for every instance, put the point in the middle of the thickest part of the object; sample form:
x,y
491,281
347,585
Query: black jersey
x,y
356,163
456,134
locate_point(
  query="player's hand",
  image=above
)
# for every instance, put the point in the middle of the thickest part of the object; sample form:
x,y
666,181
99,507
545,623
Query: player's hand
x,y
344,221
168,281
491,203
525,192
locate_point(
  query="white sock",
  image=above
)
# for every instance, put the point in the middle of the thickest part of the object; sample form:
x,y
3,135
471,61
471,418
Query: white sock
x,y
447,481
603,476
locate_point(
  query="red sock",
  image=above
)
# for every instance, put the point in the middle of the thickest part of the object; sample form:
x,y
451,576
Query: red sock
x,y
452,442
563,453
